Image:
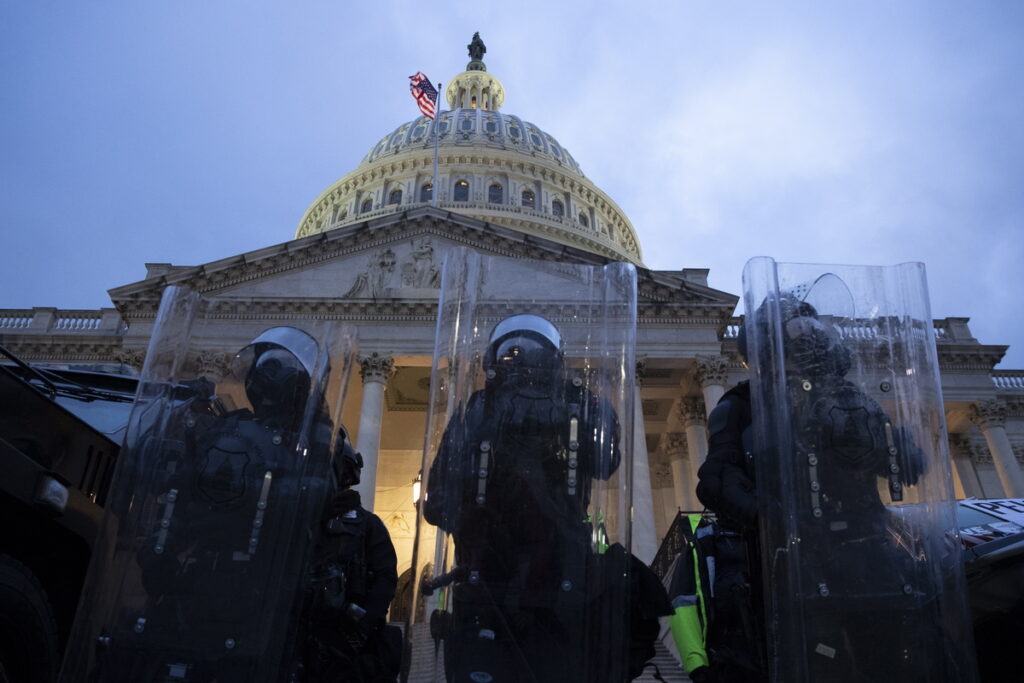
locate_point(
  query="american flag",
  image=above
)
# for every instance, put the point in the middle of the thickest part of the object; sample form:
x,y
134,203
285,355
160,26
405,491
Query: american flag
x,y
425,94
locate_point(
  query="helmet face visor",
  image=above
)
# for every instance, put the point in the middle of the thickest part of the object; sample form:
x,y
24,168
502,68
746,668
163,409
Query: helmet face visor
x,y
527,322
302,347
523,351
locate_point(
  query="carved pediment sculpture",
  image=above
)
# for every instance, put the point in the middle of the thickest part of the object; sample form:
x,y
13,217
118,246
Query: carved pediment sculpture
x,y
419,270
375,279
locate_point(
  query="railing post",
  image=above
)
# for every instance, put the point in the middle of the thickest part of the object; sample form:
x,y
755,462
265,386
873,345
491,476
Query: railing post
x,y
42,319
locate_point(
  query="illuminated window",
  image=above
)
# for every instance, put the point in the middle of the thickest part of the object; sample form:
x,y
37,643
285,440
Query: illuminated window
x,y
395,197
557,208
461,191
426,192
528,199
495,194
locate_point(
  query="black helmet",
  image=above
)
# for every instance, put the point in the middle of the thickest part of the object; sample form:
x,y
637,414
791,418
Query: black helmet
x,y
277,367
811,348
347,463
524,346
790,307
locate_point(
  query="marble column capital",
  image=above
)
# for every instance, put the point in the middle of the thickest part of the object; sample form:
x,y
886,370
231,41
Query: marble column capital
x,y
376,368
692,412
136,358
712,370
214,365
675,445
988,414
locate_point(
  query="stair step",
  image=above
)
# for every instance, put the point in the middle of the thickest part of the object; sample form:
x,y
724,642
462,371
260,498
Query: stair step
x,y
422,661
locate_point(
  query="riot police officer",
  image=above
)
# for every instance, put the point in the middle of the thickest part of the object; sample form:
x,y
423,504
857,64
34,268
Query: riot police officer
x,y
352,581
726,486
847,444
229,480
511,483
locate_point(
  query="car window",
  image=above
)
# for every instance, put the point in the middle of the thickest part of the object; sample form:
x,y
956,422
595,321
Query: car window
x,y
970,517
1008,509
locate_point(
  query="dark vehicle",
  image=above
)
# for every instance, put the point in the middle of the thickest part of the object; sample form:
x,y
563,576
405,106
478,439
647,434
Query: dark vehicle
x,y
60,431
995,587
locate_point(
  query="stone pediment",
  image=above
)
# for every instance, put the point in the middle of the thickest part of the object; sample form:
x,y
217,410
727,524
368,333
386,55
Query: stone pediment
x,y
396,260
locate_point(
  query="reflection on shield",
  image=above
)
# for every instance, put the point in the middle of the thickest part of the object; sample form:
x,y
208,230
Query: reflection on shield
x,y
222,474
849,433
860,580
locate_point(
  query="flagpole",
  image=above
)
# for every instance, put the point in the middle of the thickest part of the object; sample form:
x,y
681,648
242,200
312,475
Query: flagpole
x,y
437,136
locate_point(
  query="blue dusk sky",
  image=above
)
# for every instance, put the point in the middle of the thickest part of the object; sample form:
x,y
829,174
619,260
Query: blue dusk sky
x,y
188,131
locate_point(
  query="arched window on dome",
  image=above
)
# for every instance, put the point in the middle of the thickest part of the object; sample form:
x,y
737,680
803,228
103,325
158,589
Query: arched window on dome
x,y
367,206
529,200
557,208
495,194
583,220
461,193
395,197
426,192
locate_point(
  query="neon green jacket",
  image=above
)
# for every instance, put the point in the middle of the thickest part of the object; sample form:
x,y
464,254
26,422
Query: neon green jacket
x,y
689,581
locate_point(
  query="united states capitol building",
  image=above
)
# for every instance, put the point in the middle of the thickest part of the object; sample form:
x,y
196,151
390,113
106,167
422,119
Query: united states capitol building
x,y
369,249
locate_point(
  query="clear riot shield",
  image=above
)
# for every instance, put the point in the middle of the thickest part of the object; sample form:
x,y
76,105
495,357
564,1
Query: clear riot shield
x,y
860,548
197,575
524,527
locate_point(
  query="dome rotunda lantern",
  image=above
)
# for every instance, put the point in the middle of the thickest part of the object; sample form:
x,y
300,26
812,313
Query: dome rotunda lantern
x,y
474,88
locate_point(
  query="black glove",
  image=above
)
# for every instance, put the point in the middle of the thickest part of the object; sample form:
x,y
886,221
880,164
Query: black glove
x,y
702,674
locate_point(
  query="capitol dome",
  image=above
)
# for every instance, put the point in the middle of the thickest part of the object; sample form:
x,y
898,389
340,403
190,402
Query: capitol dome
x,y
492,166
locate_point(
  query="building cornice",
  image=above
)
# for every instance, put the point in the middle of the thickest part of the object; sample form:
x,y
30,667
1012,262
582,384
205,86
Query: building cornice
x,y
139,300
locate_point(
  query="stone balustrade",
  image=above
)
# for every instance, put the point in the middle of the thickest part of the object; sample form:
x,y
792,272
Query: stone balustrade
x,y
73,321
1008,380
946,330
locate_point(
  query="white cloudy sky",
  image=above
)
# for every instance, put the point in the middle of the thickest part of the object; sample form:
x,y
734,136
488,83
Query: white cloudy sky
x,y
851,132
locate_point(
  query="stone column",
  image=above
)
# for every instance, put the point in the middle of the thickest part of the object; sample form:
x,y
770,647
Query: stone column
x,y
712,373
965,478
990,417
683,486
645,542
375,370
693,416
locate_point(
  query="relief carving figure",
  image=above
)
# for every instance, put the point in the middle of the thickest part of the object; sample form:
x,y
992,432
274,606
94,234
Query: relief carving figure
x,y
419,270
375,279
